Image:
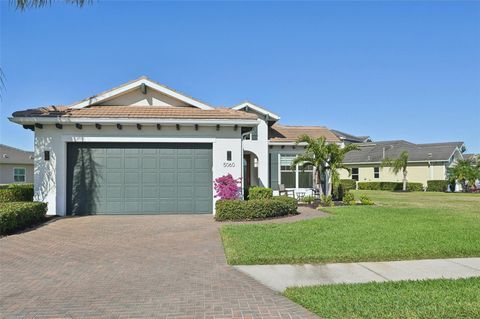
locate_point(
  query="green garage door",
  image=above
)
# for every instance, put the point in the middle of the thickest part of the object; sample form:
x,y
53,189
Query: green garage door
x,y
139,178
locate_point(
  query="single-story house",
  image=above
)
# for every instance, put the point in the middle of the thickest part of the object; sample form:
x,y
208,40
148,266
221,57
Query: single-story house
x,y
144,148
16,165
425,161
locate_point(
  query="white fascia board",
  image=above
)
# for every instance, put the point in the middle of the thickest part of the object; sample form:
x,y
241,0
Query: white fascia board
x,y
113,121
256,108
367,163
287,143
135,84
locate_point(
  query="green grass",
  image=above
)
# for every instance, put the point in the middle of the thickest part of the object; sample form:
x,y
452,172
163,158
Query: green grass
x,y
402,226
427,299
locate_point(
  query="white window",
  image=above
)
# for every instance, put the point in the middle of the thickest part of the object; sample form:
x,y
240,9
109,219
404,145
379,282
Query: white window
x,y
376,172
299,177
19,174
287,175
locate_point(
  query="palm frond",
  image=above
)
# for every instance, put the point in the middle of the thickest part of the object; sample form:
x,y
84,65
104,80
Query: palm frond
x,y
23,5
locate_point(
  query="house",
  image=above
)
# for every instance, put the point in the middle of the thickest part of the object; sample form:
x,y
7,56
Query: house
x,y
350,139
144,148
16,165
426,161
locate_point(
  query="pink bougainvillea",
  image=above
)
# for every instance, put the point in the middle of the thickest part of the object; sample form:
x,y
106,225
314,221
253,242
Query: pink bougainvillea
x,y
227,187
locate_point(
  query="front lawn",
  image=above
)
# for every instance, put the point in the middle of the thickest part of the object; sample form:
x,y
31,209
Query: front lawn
x,y
402,226
430,299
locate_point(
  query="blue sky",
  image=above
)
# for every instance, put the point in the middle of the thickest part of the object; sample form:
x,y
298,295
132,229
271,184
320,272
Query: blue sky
x,y
391,70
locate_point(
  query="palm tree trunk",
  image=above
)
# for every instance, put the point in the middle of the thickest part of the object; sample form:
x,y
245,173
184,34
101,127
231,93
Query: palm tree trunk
x,y
319,181
404,180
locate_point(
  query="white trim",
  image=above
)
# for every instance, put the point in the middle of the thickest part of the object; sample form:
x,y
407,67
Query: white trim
x,y
256,108
24,174
124,88
140,139
372,163
113,121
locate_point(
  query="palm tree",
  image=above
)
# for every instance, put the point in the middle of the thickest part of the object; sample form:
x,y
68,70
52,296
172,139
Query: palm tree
x,y
397,165
336,156
316,154
25,4
323,157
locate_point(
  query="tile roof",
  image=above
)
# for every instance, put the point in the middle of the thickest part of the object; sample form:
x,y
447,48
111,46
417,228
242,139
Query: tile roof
x,y
286,133
135,112
12,155
375,152
351,138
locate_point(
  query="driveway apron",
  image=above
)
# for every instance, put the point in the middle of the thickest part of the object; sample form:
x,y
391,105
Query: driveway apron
x,y
169,266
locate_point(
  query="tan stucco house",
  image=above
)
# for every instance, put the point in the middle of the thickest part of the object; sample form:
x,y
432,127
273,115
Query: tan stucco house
x,y
426,161
16,165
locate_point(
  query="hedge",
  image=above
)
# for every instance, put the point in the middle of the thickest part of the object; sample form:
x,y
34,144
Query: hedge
x,y
257,192
437,185
19,215
255,208
348,184
16,193
389,186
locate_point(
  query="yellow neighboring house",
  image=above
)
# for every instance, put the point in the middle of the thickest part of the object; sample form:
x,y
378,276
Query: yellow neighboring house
x,y
426,161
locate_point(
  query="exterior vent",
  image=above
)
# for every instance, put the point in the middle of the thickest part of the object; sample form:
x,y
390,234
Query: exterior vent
x,y
429,155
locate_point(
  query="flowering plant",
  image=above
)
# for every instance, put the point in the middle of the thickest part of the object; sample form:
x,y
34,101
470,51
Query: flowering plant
x,y
227,187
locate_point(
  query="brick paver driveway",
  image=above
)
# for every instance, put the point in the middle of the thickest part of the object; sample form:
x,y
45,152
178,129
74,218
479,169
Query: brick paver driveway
x,y
129,266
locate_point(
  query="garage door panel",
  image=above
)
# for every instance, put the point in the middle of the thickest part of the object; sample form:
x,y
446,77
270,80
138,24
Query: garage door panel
x,y
186,206
185,192
168,162
139,178
114,162
132,162
203,163
167,178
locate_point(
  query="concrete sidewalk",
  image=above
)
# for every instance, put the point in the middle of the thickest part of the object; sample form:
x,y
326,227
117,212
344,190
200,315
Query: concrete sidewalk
x,y
279,277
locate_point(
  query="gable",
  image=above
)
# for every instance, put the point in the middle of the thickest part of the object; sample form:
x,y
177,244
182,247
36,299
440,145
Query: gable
x,y
141,92
149,97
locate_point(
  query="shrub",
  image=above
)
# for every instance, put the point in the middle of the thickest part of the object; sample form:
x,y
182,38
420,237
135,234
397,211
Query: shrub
x,y
365,200
326,201
348,184
257,192
308,199
344,186
19,215
390,186
227,187
255,208
437,186
349,199
16,193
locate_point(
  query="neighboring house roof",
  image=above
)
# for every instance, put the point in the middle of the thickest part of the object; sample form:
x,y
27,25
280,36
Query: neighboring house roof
x,y
471,157
259,109
286,133
376,152
351,138
134,112
12,155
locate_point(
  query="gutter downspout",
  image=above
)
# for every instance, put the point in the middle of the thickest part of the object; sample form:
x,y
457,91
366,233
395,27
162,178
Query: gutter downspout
x,y
241,162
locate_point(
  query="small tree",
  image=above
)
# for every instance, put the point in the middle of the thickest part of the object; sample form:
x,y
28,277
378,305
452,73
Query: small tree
x,y
227,187
323,157
316,154
397,165
465,171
